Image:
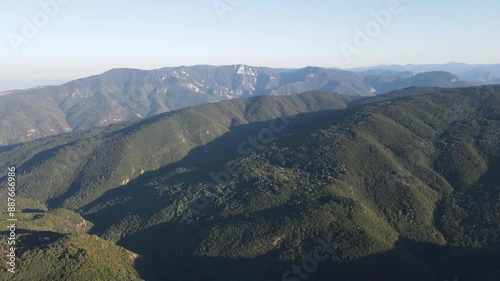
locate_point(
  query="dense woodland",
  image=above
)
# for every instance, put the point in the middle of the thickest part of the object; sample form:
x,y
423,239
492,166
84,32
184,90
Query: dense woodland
x,y
404,185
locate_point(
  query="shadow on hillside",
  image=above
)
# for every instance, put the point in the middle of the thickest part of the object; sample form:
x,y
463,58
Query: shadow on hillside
x,y
170,246
32,211
39,157
27,240
5,148
213,157
492,176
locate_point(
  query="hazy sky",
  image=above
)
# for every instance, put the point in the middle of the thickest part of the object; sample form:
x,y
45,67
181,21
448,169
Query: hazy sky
x,y
87,37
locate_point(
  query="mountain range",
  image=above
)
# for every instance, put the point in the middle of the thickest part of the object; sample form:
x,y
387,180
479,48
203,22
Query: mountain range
x,y
402,186
475,73
129,94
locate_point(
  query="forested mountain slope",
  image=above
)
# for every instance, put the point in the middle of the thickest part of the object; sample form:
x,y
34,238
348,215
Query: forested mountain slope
x,y
404,186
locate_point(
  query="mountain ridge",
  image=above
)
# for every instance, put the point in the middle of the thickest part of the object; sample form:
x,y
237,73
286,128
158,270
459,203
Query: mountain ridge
x,y
390,180
131,94
475,73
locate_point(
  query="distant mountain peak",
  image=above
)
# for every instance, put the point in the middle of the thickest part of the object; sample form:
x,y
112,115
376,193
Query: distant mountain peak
x,y
244,70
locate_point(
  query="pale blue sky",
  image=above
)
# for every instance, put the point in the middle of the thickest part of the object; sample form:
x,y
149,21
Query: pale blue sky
x,y
90,36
